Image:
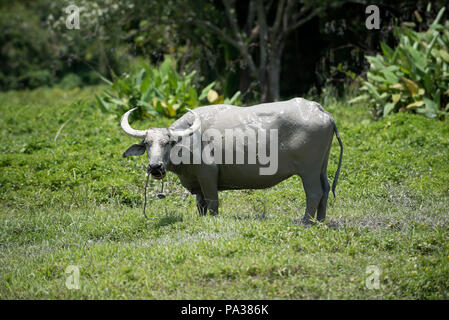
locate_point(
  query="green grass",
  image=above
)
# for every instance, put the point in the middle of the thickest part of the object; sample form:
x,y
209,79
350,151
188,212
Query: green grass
x,y
76,201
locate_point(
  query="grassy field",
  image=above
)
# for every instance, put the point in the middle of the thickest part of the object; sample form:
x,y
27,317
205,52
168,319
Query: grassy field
x,y
76,201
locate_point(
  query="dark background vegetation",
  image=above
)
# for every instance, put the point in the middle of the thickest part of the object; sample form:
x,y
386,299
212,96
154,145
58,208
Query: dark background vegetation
x,y
38,50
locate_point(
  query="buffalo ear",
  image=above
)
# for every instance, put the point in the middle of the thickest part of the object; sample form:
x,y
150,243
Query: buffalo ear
x,y
136,149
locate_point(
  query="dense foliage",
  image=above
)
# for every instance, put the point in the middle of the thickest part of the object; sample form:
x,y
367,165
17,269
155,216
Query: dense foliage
x,y
200,36
414,75
37,49
158,92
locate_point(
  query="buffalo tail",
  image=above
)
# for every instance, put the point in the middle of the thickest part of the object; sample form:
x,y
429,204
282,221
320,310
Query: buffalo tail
x,y
334,184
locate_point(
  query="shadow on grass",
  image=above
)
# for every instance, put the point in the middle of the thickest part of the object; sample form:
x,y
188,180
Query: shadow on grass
x,y
168,219
257,216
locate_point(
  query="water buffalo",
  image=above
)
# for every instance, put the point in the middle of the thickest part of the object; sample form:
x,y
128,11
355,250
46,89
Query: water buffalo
x,y
300,145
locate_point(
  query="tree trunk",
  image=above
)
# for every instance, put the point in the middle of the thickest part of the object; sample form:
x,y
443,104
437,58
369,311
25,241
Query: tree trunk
x,y
274,75
267,71
270,84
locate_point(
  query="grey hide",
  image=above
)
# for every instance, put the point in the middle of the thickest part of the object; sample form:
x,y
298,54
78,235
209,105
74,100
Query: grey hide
x,y
305,133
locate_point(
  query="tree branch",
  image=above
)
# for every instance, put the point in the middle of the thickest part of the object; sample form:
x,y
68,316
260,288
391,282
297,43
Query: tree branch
x,y
218,31
250,18
300,22
263,33
239,45
278,19
301,13
230,10
287,14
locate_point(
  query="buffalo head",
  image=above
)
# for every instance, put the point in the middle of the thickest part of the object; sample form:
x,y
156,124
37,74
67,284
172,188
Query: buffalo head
x,y
157,142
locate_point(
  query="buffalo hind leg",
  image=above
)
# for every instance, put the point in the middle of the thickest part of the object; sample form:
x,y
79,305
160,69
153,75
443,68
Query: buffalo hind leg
x,y
314,193
321,213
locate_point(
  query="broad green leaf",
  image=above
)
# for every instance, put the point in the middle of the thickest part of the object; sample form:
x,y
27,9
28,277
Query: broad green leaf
x,y
428,82
415,104
373,77
170,111
418,16
431,44
388,52
397,86
233,99
146,82
105,107
396,98
376,61
418,58
373,91
118,102
390,76
431,109
437,98
360,98
148,109
205,91
439,16
405,70
388,108
444,55
106,80
159,108
431,105
408,24
411,85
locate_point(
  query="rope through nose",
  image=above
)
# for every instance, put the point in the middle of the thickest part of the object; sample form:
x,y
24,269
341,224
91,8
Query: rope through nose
x,y
161,194
145,196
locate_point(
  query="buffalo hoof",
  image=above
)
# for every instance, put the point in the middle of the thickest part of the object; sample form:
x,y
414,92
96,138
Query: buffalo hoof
x,y
202,209
305,222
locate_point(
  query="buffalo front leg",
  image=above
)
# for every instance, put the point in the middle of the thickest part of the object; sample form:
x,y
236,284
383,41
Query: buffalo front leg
x,y
201,204
314,193
211,198
209,189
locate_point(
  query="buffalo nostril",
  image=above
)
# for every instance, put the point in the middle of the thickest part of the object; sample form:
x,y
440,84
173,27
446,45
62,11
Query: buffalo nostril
x,y
155,166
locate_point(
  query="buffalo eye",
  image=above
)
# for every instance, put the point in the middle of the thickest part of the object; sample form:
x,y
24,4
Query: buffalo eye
x,y
164,142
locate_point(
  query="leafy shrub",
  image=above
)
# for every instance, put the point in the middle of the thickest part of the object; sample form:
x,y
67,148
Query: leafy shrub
x,y
37,49
70,81
26,52
414,76
37,78
158,92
